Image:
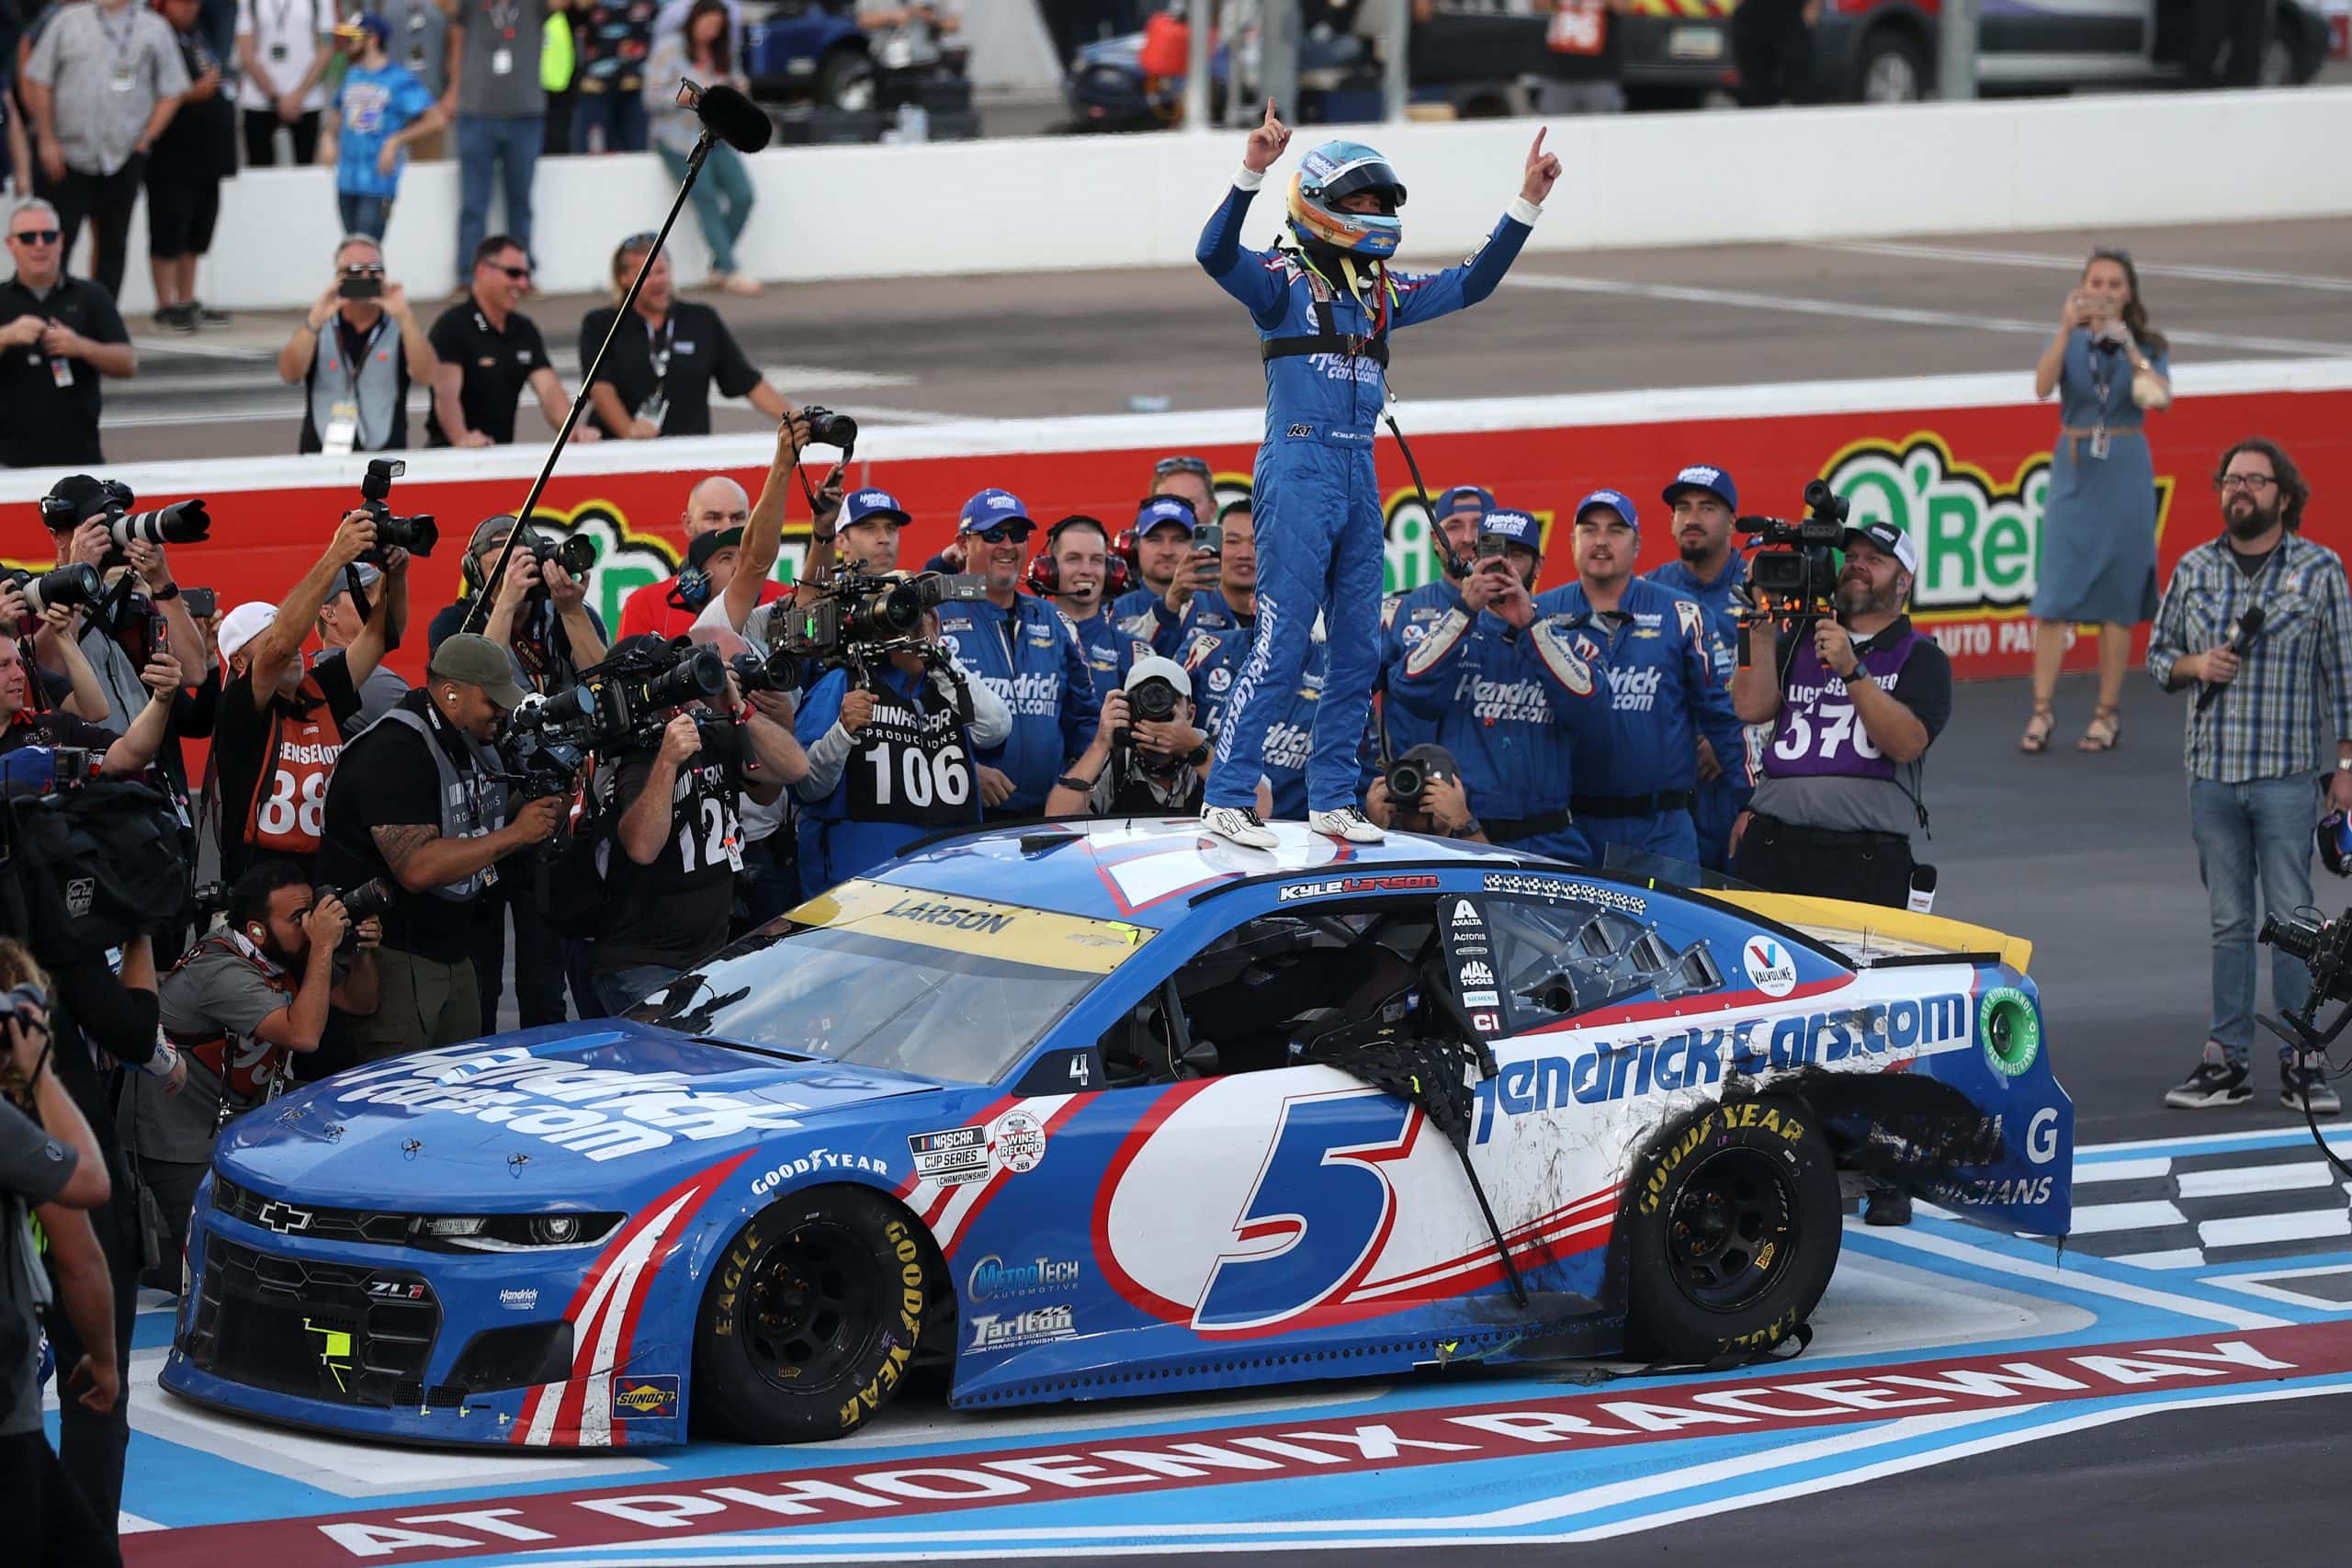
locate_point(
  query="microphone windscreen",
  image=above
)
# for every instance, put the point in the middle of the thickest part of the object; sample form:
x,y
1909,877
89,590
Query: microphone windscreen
x,y
734,119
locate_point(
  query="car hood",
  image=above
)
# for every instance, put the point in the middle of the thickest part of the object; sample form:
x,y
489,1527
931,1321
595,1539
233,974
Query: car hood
x,y
548,1118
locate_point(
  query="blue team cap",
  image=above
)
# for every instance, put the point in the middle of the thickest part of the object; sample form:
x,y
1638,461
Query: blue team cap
x,y
864,503
1516,526
1460,496
990,508
1700,476
1164,512
1617,501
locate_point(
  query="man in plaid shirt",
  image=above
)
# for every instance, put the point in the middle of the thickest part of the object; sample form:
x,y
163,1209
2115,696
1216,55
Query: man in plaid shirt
x,y
2266,695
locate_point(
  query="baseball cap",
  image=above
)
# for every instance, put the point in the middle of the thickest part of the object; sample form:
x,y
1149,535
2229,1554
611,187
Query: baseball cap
x,y
490,531
1454,500
864,503
368,575
991,507
471,660
1890,539
74,499
1700,476
1517,526
1165,512
705,546
244,623
1153,666
1617,501
368,22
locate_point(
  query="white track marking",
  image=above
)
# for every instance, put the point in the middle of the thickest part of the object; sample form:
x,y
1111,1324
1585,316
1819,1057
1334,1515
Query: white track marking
x,y
2253,1230
2051,262
2255,1179
2100,1219
2092,1173
2081,1280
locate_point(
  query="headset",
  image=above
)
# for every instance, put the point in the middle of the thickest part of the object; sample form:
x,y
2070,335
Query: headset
x,y
65,508
470,569
1044,576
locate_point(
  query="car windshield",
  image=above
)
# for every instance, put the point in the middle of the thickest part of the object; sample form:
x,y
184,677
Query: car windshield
x,y
899,978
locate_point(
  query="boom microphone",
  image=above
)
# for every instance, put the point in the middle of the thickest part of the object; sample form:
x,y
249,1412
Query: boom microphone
x,y
733,118
2249,627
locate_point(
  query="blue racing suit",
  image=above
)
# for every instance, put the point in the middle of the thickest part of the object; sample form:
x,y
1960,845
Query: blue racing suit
x,y
1507,703
1207,611
1405,619
1722,798
1636,773
1213,659
1107,649
907,773
1321,546
1029,656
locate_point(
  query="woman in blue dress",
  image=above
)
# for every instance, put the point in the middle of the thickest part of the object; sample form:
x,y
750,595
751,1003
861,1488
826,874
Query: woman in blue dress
x,y
2098,526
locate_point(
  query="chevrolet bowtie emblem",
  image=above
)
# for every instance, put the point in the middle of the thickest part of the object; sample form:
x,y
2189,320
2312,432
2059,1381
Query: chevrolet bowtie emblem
x,y
282,1217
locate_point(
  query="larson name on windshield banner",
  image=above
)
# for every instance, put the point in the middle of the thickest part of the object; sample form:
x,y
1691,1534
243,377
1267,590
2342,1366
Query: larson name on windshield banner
x,y
1969,483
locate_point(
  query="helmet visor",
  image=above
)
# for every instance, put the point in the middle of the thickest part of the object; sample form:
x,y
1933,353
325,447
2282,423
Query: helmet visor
x,y
1368,174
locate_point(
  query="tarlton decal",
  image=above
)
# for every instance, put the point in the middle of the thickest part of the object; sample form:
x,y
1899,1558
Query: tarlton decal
x,y
1535,885
601,1113
1008,1331
817,1162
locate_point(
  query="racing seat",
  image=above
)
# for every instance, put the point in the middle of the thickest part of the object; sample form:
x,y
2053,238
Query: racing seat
x,y
1384,983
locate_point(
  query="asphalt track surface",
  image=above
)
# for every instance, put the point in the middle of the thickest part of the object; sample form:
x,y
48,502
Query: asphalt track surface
x,y
918,351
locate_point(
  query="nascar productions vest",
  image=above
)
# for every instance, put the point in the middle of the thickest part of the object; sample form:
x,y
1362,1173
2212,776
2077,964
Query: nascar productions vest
x,y
249,1068
290,800
1818,734
373,384
912,763
472,805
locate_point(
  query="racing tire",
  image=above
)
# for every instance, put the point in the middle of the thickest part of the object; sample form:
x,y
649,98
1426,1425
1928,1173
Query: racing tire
x,y
1731,1231
845,80
812,1318
1891,67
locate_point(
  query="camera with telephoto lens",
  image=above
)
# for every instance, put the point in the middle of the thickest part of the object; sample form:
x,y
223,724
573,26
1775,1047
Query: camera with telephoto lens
x,y
779,671
181,523
616,706
417,536
827,428
77,587
369,899
1794,568
857,616
1409,776
576,553
1153,701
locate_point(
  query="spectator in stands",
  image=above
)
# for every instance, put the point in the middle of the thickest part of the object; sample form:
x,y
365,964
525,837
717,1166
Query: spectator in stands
x,y
1771,42
614,38
340,620
702,48
110,78
420,40
489,352
657,378
380,108
2098,528
356,378
283,49
668,607
58,336
194,154
494,71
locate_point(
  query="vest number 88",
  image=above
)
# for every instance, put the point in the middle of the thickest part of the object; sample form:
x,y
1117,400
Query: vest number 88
x,y
280,814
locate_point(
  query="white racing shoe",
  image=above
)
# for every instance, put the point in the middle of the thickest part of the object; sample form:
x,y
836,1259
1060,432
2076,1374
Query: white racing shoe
x,y
1346,823
1238,825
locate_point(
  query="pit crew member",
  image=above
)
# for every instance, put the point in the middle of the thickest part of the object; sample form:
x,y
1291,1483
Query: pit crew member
x,y
1705,503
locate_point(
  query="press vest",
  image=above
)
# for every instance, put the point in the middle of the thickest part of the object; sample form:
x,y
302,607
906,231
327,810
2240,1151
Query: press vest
x,y
471,807
376,387
1819,734
249,1068
289,801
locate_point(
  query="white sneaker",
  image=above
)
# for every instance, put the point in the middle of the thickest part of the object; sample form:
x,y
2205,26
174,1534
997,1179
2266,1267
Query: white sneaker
x,y
1239,824
1346,823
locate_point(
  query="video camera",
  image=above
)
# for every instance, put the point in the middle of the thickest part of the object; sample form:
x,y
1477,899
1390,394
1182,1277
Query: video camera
x,y
1795,569
2325,948
858,617
417,536
779,671
33,771
617,705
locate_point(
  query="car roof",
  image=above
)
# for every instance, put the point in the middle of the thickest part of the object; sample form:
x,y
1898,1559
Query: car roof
x,y
1150,869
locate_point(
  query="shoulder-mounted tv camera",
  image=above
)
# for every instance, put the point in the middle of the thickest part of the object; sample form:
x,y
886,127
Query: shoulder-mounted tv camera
x,y
857,618
616,705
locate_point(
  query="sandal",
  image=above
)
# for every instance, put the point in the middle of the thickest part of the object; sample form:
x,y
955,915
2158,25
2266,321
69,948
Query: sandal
x,y
2104,731
2036,738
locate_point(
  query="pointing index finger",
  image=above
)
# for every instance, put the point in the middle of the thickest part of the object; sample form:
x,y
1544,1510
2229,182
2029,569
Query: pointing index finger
x,y
1537,150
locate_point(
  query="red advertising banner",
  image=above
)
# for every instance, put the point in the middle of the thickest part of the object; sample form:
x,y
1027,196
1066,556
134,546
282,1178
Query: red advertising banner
x,y
1968,482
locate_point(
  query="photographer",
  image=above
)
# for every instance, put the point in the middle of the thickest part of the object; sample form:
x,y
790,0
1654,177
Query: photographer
x,y
1145,757
1668,716
1217,590
657,380
1503,691
340,622
53,1170
1854,704
1161,538
1025,653
891,759
79,512
356,378
1437,807
67,681
538,609
116,755
2258,621
1708,570
282,724
419,799
242,1001
1074,573
675,842
58,336
1406,617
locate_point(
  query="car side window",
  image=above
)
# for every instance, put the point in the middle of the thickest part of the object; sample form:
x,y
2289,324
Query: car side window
x,y
1557,959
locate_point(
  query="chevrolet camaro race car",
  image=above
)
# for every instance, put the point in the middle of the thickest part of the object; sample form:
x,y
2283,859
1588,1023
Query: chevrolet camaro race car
x,y
1102,1109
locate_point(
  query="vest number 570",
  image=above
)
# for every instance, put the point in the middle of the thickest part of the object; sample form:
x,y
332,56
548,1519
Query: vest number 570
x,y
1838,728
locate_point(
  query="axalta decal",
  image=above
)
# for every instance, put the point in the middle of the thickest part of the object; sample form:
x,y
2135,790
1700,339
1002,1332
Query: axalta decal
x,y
1607,1070
601,1113
1979,538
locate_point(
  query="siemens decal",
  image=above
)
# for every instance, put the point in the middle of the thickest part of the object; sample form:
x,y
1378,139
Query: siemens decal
x,y
1688,1059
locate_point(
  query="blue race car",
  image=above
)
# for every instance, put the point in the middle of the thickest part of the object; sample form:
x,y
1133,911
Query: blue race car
x,y
1080,1111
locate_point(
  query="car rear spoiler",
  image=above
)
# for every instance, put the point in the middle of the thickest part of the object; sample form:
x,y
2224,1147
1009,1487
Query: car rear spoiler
x,y
1874,934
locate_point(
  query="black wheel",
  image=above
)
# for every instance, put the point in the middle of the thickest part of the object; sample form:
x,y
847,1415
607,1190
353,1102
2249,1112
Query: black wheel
x,y
812,1318
845,80
1890,68
1731,1232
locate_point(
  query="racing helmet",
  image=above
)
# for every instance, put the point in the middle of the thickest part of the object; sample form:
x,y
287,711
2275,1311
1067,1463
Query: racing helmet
x,y
2335,843
1331,173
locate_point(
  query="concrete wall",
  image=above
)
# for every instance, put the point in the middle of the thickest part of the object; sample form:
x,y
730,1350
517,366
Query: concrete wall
x,y
1017,206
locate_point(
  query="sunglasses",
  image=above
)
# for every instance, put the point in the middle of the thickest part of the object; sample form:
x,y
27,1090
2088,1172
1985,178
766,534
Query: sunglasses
x,y
1167,466
37,236
1018,532
519,273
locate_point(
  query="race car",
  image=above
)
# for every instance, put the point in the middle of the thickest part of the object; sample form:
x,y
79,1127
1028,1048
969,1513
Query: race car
x,y
1100,1108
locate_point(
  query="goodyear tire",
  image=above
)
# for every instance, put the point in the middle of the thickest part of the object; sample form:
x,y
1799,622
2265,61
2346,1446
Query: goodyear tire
x,y
1731,1232
810,1320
